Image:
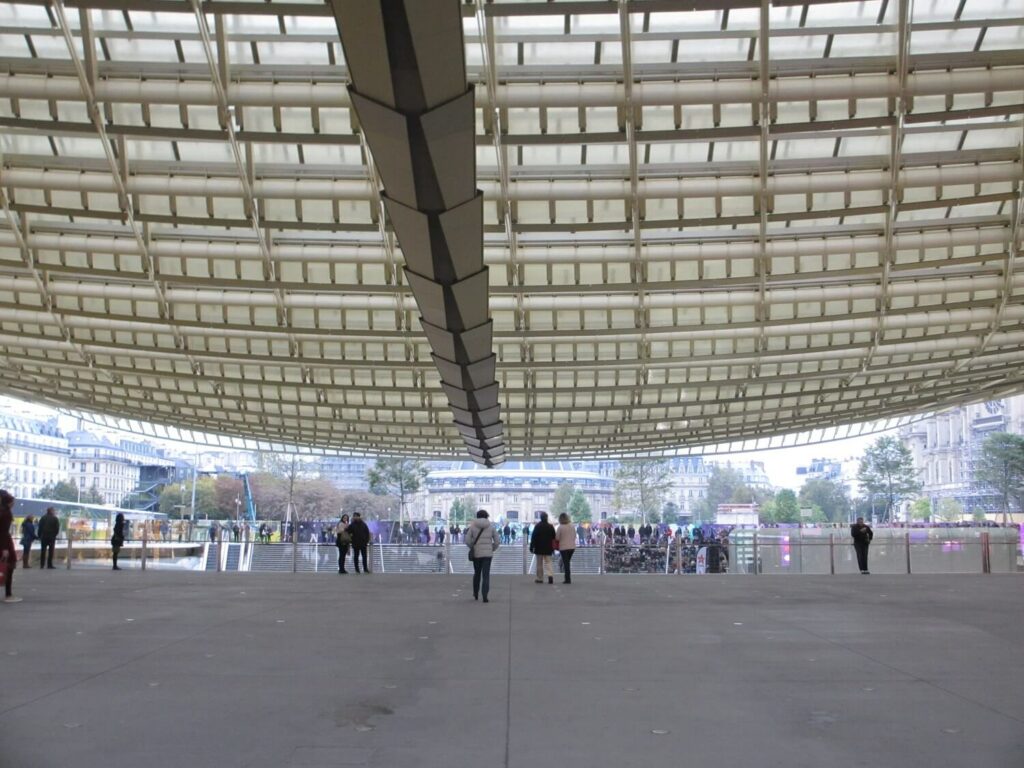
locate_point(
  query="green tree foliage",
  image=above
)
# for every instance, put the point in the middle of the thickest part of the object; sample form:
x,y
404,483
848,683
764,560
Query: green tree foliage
x,y
950,510
579,507
463,510
782,508
887,474
560,502
828,496
206,500
398,477
670,512
921,509
1001,467
62,490
642,485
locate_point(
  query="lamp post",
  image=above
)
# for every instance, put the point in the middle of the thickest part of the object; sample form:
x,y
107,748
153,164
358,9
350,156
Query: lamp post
x,y
238,505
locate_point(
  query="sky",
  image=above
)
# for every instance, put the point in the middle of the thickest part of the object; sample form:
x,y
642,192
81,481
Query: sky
x,y
780,463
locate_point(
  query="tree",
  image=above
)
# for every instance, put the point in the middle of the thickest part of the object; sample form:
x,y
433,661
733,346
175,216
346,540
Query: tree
x,y
724,484
830,497
463,510
784,508
62,490
369,505
670,512
1001,467
921,510
887,471
643,484
93,496
396,477
560,502
579,507
226,489
175,500
950,510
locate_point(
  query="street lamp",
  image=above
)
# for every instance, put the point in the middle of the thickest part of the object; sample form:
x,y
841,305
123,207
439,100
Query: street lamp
x,y
238,505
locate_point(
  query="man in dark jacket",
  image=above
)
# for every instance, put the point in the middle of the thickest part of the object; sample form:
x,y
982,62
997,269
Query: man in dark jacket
x,y
862,536
360,540
49,527
542,545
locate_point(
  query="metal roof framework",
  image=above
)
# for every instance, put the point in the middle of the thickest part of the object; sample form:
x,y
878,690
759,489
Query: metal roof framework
x,y
737,221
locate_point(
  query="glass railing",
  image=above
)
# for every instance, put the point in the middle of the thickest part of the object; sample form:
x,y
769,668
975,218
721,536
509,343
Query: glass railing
x,y
765,551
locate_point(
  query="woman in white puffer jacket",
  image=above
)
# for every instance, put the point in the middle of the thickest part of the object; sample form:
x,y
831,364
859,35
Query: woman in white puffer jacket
x,y
483,540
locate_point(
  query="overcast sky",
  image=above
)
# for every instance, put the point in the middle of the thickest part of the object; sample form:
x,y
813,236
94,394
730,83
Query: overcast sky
x,y
780,463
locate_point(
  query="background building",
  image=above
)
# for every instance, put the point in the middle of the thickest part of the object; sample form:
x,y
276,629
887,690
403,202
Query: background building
x,y
517,492
114,469
947,445
690,476
346,472
33,453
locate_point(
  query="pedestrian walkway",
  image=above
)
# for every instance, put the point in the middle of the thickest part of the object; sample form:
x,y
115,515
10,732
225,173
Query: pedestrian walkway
x,y
205,670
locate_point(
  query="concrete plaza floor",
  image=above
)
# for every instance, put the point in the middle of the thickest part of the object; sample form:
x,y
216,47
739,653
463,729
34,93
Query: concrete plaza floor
x,y
205,669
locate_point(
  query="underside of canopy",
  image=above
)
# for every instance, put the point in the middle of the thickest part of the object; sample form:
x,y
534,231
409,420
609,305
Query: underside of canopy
x,y
697,226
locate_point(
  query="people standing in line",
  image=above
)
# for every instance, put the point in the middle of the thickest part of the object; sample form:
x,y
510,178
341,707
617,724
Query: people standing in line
x,y
542,545
342,540
360,540
28,535
117,539
566,544
8,555
862,536
483,540
49,527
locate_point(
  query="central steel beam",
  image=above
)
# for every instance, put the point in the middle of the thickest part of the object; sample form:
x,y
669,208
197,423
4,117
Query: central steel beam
x,y
417,111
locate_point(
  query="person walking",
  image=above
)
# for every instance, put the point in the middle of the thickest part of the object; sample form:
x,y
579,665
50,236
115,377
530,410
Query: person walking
x,y
28,535
360,540
542,545
483,541
566,535
8,555
862,536
117,540
342,540
49,527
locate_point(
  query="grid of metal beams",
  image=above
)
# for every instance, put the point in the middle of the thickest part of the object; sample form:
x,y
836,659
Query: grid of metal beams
x,y
740,220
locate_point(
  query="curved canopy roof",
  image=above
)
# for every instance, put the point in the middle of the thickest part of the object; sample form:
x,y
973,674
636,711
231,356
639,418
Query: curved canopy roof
x,y
734,221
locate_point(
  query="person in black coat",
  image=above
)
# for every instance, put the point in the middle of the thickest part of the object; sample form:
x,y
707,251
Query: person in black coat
x,y
49,527
862,536
117,539
360,540
542,545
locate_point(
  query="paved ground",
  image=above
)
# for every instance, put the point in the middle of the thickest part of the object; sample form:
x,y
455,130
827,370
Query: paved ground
x,y
181,670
